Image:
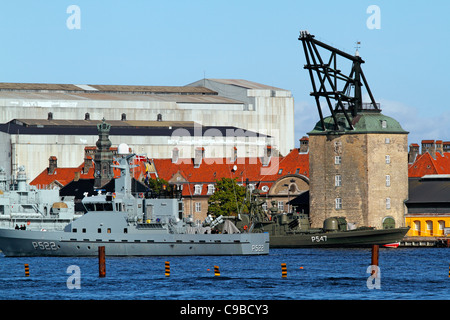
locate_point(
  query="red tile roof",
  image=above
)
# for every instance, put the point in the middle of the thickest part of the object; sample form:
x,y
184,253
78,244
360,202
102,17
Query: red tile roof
x,y
425,164
210,170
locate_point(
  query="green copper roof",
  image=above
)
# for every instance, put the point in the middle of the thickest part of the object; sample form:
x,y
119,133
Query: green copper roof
x,y
364,122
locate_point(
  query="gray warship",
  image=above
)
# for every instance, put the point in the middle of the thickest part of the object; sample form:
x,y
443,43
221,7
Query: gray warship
x,y
128,225
25,206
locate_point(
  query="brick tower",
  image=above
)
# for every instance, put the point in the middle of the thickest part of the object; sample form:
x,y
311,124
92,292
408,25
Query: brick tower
x,y
359,173
358,156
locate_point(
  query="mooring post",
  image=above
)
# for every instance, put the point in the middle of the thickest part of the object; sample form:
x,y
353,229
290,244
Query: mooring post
x,y
283,270
375,255
167,269
101,262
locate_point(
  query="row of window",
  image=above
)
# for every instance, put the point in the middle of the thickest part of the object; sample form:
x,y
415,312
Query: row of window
x,y
338,203
280,206
212,188
338,159
338,180
99,230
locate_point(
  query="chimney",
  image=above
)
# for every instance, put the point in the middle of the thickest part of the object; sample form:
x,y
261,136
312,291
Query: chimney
x,y
52,165
175,155
267,155
413,152
199,154
234,155
87,164
440,147
430,147
304,145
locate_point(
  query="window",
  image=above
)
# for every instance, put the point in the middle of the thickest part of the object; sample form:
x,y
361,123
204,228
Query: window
x,y
383,124
211,189
338,203
337,160
430,227
99,230
74,230
388,159
264,206
387,140
280,171
280,205
198,189
388,180
198,207
388,203
337,180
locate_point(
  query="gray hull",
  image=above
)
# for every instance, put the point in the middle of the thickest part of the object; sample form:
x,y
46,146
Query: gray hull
x,y
41,243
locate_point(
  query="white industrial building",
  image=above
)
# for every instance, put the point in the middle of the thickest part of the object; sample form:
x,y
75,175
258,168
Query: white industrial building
x,y
218,115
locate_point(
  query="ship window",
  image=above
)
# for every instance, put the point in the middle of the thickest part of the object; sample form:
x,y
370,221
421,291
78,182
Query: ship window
x,y
99,230
84,230
74,230
125,230
108,230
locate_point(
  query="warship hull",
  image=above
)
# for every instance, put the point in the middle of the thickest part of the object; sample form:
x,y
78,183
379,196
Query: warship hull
x,y
14,243
342,239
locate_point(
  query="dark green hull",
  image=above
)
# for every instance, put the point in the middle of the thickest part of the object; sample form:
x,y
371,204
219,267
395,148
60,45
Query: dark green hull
x,y
338,239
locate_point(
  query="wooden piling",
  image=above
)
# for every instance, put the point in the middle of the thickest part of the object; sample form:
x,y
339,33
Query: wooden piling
x,y
167,269
375,255
283,270
101,262
27,270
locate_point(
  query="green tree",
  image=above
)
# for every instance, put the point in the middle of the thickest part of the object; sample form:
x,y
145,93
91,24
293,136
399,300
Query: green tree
x,y
228,198
157,185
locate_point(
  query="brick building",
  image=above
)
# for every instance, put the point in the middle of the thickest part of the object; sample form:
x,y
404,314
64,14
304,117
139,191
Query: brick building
x,y
361,172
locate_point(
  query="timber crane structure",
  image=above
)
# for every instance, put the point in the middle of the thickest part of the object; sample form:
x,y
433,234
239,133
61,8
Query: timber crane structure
x,y
329,82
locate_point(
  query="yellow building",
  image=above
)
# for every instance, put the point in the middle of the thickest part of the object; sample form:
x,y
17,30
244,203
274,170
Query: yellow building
x,y
427,225
428,206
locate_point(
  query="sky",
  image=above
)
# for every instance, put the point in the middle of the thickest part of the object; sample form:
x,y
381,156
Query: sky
x,y
404,45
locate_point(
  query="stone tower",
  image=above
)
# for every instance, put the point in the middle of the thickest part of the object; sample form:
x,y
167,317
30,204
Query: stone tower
x,y
360,173
103,157
358,156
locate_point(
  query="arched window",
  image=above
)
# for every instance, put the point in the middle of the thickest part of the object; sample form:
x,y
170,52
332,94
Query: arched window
x,y
429,228
441,227
417,228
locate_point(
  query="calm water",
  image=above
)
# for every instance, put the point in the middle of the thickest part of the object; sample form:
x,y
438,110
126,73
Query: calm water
x,y
312,274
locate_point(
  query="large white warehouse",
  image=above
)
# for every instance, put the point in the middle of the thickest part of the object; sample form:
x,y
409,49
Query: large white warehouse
x,y
228,113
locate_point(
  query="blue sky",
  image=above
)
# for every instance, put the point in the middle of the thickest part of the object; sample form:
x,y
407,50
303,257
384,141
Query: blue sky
x,y
178,42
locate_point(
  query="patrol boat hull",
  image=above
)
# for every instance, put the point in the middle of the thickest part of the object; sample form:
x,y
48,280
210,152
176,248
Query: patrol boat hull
x,y
14,243
349,239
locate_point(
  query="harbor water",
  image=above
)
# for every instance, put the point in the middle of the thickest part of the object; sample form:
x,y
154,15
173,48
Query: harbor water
x,y
312,274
